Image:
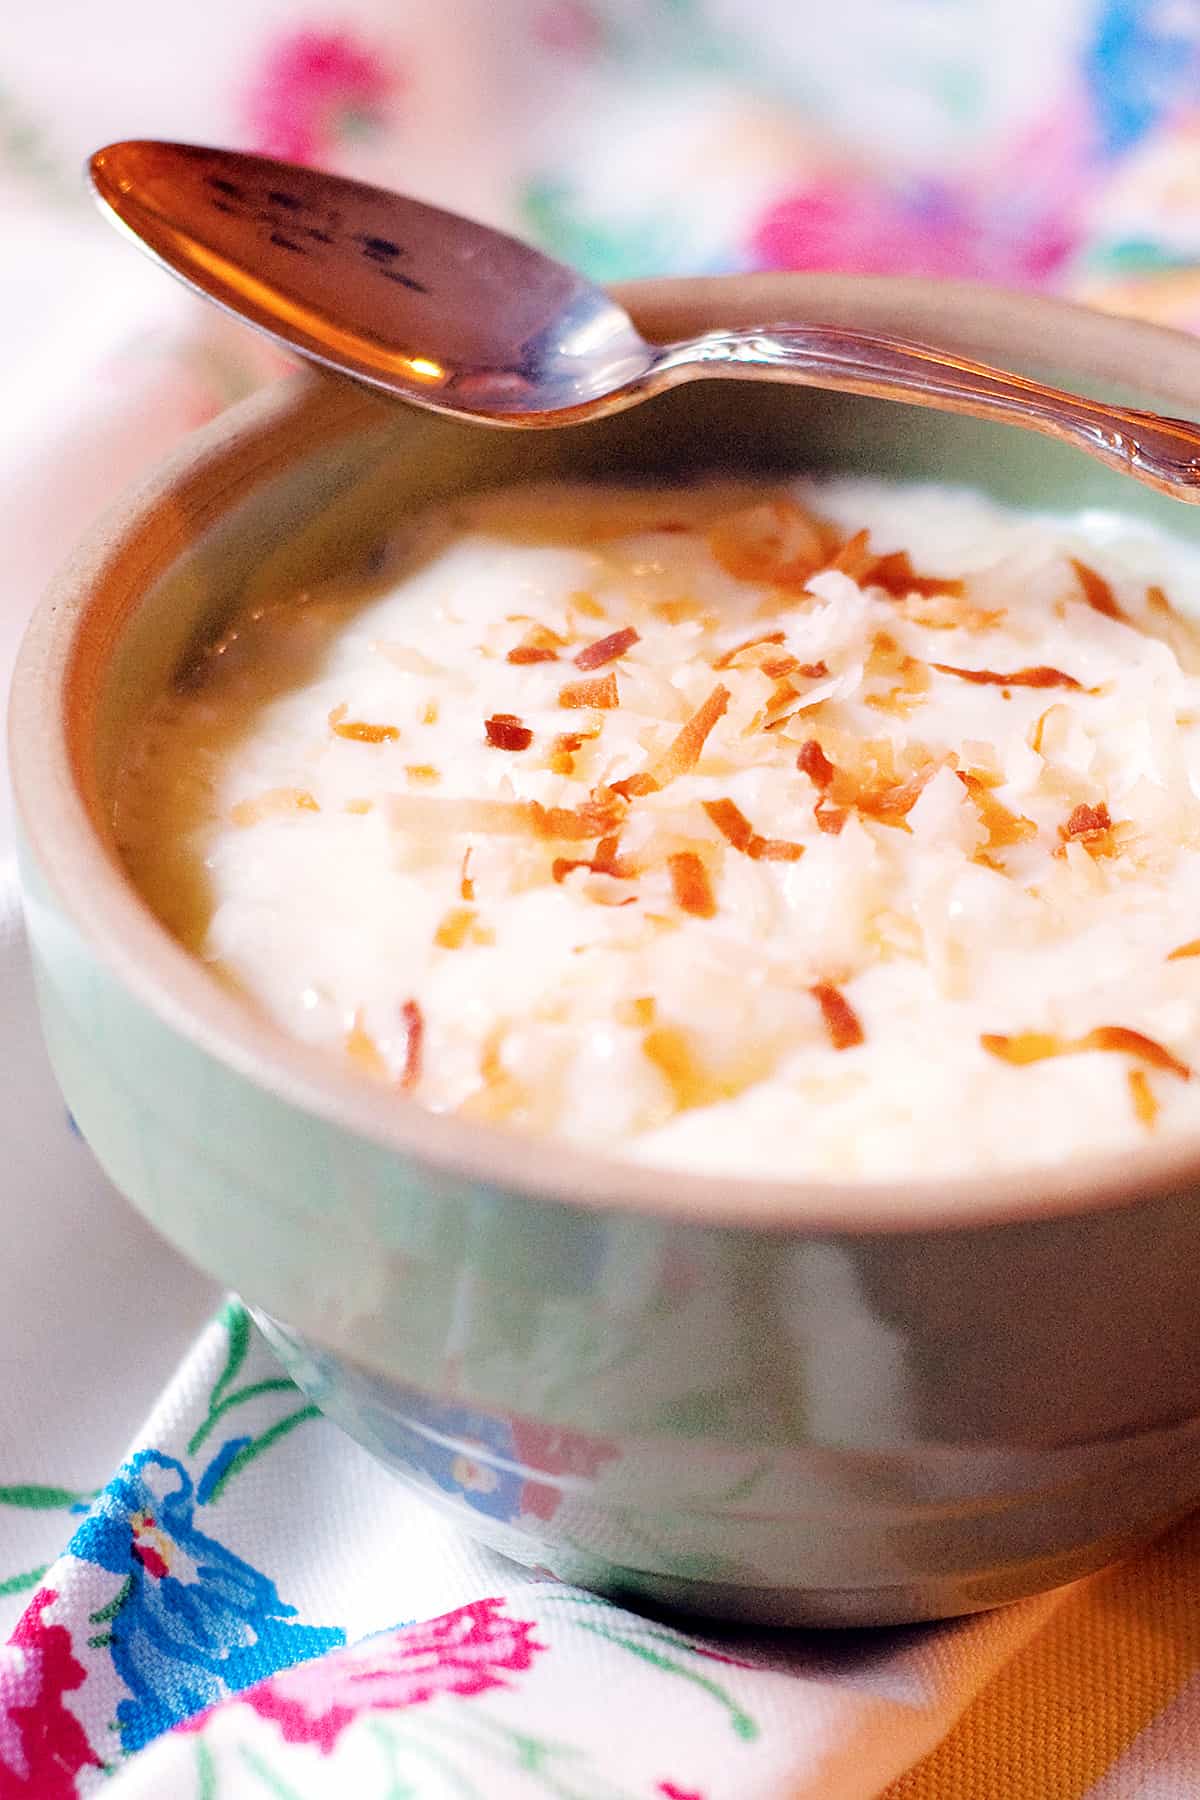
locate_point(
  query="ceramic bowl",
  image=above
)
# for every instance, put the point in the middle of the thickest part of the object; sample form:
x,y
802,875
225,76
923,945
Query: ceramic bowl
x,y
791,1403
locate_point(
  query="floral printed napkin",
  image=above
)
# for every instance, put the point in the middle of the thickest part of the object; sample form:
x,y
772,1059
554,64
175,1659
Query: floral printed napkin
x,y
247,1605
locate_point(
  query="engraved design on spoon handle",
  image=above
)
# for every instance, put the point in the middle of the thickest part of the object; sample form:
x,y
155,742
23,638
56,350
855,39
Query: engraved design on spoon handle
x,y
1162,452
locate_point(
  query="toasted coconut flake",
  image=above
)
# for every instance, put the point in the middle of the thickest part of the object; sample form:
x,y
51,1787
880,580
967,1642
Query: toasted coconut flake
x,y
500,1095
639,1012
607,862
455,926
1036,1046
765,849
604,861
424,774
830,819
1157,600
683,753
1023,1047
358,730
1191,948
633,785
891,803
693,1084
586,603
776,542
736,828
466,883
690,885
1135,1043
682,610
942,612
812,761
908,676
1145,1105
670,1050
855,557
813,671
1092,827
539,644
505,731
271,804
363,1051
429,713
1096,591
841,1021
777,667
731,822
359,806
601,693
728,657
783,703
413,1020
1085,821
597,816
1039,677
1003,827
564,749
1051,729
896,576
531,653
607,649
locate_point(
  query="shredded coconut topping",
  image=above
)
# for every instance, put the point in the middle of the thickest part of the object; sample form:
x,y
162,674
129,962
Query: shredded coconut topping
x,y
871,845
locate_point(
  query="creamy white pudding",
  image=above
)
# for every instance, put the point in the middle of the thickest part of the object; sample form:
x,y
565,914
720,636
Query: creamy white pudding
x,y
815,829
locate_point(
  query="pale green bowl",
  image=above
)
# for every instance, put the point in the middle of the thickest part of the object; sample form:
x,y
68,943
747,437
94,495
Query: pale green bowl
x,y
790,1403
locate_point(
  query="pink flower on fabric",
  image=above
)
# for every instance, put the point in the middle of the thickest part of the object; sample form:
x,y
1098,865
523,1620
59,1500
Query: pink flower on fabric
x,y
569,26
42,1743
1015,213
312,91
856,224
463,1652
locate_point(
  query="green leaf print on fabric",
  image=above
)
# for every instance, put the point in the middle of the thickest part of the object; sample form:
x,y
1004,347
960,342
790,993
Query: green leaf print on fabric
x,y
271,1781
36,1498
237,1453
606,252
206,1774
248,1450
20,1584
641,1639
275,1384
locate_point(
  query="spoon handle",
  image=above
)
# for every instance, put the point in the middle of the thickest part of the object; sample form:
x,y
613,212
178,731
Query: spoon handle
x,y
1162,452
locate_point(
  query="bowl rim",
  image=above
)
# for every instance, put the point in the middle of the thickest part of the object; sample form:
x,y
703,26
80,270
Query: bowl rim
x,y
82,614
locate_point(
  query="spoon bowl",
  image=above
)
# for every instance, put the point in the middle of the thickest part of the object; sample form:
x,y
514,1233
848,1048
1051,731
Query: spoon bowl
x,y
464,320
420,302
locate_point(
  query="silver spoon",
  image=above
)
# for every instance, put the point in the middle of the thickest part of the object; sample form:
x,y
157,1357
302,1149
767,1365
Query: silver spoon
x,y
467,321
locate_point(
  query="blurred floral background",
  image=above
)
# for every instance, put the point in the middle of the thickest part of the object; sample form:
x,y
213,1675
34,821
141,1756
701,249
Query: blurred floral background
x,y
1043,143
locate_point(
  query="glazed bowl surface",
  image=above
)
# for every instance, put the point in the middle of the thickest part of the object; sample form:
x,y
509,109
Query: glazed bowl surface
x,y
791,1403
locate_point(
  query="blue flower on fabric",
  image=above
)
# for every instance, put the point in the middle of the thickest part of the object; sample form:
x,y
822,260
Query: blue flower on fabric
x,y
196,1622
1142,63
